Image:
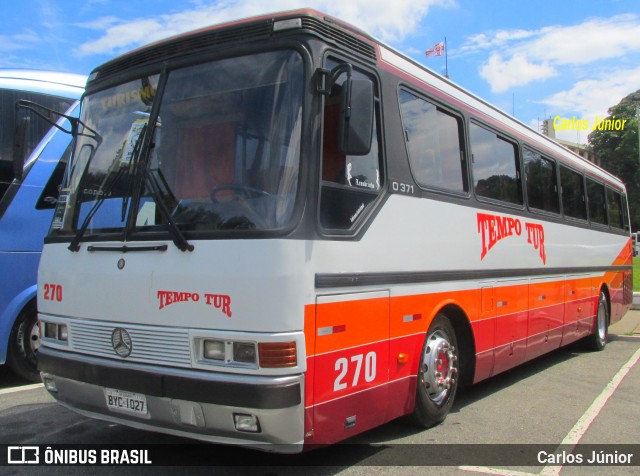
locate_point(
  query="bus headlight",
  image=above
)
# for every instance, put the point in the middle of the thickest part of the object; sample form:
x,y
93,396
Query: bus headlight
x,y
50,330
228,352
214,350
244,352
63,333
56,332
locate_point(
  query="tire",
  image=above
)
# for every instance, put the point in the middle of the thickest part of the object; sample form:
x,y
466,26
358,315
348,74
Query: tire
x,y
437,375
24,342
598,340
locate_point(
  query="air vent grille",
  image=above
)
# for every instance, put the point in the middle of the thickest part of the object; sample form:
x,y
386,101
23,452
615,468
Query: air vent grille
x,y
340,37
227,36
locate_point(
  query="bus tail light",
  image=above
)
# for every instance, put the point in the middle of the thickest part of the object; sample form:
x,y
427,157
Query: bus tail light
x,y
277,354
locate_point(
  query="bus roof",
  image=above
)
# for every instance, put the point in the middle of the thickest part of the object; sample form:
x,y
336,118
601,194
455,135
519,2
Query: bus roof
x,y
46,82
383,54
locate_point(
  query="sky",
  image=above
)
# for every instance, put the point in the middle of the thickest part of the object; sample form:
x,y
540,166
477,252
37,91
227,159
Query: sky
x,y
532,59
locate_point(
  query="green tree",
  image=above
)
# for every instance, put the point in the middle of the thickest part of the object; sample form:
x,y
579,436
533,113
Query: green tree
x,y
618,151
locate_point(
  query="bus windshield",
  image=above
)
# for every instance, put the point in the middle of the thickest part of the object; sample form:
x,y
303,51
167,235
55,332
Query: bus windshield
x,y
222,151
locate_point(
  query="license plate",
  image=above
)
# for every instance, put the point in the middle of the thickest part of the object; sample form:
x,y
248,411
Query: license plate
x,y
128,402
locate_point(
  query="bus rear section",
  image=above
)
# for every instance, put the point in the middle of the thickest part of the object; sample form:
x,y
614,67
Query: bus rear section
x,y
27,201
273,234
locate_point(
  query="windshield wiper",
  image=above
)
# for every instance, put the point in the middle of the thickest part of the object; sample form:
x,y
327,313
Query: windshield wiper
x,y
176,234
129,168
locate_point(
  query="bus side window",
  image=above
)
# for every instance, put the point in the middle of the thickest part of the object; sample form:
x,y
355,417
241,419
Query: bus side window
x,y
572,192
333,160
616,218
495,166
349,183
541,182
434,142
596,202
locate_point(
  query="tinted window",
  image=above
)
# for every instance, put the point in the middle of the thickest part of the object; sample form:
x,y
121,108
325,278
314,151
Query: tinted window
x,y
51,191
572,186
495,170
625,213
614,200
434,144
350,183
597,204
542,188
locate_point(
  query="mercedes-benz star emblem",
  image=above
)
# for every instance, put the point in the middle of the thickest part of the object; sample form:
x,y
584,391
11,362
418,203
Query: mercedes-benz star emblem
x,y
121,342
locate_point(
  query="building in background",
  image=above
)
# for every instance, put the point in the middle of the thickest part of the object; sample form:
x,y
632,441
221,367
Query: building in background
x,y
581,149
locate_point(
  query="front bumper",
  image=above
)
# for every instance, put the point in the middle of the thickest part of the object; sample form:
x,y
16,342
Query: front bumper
x,y
197,404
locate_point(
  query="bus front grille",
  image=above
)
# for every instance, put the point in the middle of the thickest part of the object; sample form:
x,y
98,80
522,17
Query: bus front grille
x,y
147,344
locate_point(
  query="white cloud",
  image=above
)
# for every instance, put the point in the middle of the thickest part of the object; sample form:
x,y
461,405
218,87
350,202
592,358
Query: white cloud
x,y
19,41
122,36
588,99
596,96
588,42
101,23
496,40
391,21
539,52
516,71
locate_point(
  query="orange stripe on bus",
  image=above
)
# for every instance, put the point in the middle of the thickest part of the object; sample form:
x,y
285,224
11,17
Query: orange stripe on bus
x,y
363,321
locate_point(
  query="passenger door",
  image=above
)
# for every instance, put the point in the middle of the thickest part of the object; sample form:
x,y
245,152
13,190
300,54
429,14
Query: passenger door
x,y
351,364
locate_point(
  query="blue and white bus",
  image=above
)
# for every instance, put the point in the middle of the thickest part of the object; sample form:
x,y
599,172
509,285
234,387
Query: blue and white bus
x,y
27,201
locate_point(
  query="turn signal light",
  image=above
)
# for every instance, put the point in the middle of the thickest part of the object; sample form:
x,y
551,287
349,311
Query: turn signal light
x,y
277,354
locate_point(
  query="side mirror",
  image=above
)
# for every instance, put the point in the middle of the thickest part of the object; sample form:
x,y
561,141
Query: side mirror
x,y
356,117
19,147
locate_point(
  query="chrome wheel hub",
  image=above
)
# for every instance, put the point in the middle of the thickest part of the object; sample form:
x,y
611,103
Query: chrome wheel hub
x,y
439,366
602,321
34,338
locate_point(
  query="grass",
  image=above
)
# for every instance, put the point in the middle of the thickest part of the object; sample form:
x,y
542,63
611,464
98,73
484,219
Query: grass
x,y
636,274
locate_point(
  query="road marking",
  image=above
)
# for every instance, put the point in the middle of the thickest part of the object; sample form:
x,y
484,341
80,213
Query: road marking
x,y
579,429
20,389
496,471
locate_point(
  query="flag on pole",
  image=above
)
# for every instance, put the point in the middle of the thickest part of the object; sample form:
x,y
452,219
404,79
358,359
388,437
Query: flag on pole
x,y
437,50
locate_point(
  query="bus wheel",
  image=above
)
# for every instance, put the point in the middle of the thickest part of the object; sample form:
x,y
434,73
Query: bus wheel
x,y
598,340
24,343
437,375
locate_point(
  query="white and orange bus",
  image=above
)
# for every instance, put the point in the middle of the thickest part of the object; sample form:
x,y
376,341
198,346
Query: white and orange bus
x,y
279,233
